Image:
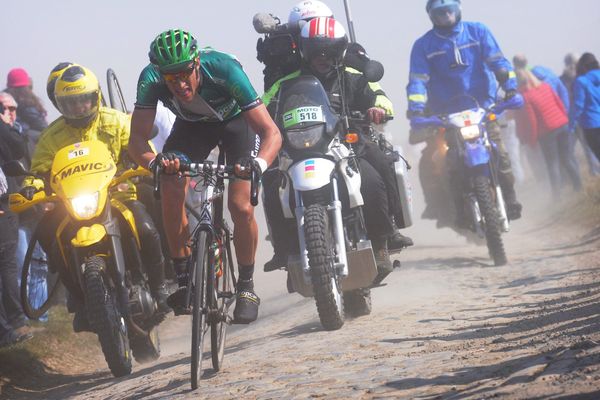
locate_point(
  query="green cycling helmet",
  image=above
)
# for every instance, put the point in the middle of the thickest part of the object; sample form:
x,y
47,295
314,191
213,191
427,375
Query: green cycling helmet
x,y
172,50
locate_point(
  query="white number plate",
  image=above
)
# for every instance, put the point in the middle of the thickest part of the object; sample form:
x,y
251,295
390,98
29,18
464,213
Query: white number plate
x,y
79,153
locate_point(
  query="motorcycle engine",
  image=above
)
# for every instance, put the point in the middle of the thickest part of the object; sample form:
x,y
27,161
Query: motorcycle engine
x,y
141,303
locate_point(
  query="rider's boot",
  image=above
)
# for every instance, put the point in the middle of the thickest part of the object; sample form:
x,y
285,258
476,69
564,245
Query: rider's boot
x,y
399,241
177,299
247,302
513,207
382,259
279,261
158,287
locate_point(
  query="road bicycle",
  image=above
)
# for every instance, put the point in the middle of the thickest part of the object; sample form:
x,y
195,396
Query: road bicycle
x,y
212,282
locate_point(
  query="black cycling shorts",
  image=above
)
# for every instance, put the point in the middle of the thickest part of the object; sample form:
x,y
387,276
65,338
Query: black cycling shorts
x,y
197,139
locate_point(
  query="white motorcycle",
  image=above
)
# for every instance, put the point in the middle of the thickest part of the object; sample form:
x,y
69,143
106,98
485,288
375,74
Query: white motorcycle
x,y
320,188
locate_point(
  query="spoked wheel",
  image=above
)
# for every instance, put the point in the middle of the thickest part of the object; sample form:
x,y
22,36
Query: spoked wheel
x,y
221,279
320,247
493,223
115,94
199,293
39,286
105,318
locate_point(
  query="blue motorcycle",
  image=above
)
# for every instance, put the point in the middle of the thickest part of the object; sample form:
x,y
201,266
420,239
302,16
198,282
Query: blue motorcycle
x,y
470,158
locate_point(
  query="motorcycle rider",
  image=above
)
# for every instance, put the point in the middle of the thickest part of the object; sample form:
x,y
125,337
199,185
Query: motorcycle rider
x,y
77,96
280,53
323,42
459,58
213,101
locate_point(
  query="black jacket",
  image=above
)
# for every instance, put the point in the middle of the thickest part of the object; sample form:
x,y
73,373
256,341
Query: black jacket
x,y
12,147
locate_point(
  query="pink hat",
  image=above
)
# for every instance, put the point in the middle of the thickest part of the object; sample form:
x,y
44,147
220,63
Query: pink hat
x,y
17,77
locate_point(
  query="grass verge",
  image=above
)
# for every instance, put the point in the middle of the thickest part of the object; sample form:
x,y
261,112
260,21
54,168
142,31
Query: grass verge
x,y
54,353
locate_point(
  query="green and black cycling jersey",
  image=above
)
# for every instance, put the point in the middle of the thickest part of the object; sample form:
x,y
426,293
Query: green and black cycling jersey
x,y
225,90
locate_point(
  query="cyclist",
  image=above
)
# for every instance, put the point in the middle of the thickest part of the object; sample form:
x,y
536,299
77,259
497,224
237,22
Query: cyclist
x,y
460,58
214,102
77,96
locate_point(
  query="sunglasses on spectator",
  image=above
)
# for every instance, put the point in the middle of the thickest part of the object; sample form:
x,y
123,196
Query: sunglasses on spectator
x,y
180,76
11,108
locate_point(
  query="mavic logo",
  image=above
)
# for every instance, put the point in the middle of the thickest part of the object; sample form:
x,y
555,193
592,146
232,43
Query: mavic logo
x,y
87,167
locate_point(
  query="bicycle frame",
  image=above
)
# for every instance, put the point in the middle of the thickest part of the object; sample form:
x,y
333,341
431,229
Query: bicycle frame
x,y
210,220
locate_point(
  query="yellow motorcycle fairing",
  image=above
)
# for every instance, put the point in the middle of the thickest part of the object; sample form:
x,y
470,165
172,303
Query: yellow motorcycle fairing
x,y
128,216
82,169
18,203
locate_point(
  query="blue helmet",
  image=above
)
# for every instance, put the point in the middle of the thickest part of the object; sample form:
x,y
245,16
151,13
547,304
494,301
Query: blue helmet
x,y
438,8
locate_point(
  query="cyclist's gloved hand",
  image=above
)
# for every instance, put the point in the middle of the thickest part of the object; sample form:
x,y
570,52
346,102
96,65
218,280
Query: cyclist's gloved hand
x,y
169,161
28,192
248,163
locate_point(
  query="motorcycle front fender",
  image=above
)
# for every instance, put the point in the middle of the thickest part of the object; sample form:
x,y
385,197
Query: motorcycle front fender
x,y
311,174
89,235
476,154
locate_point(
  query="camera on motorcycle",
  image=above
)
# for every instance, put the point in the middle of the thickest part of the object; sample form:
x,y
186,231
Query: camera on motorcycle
x,y
373,71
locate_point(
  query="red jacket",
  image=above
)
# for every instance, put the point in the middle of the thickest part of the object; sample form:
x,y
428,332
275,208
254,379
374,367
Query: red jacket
x,y
544,112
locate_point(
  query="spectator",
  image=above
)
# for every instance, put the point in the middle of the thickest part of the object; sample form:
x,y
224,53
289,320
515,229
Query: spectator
x,y
544,119
13,327
31,116
568,79
31,113
545,75
586,100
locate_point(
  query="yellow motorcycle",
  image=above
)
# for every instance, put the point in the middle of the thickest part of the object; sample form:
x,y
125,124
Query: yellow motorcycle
x,y
100,247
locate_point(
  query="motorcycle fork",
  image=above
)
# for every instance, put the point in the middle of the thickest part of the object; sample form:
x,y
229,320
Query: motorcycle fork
x,y
495,181
116,268
335,212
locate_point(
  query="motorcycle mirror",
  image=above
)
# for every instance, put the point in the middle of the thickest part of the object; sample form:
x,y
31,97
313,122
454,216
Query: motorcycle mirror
x,y
14,168
373,71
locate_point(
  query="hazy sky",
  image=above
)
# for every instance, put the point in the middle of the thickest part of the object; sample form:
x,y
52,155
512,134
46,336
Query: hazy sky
x,y
116,34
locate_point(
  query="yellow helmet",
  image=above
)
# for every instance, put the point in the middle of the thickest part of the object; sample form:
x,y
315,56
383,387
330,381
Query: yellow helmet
x,y
54,75
77,93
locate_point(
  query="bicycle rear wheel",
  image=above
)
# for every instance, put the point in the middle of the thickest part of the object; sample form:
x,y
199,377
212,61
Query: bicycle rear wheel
x,y
221,296
199,321
38,285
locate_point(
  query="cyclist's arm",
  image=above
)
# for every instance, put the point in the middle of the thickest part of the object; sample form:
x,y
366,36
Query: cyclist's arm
x,y
270,138
142,121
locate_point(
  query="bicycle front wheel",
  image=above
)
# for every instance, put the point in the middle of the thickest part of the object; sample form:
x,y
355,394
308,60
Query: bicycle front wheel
x,y
222,296
199,320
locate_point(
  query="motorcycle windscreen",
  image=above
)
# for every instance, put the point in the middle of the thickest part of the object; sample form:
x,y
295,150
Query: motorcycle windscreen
x,y
82,169
303,113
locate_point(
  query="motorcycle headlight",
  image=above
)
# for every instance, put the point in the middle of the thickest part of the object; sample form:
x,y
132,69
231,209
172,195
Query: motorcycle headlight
x,y
85,206
470,132
306,137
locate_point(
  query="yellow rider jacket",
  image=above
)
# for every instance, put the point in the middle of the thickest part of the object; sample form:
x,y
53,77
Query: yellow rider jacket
x,y
110,126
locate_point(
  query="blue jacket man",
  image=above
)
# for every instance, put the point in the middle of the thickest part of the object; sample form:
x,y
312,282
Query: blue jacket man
x,y
458,58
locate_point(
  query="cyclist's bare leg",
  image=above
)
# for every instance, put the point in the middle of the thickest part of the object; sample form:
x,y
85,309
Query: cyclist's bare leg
x,y
245,239
245,229
173,192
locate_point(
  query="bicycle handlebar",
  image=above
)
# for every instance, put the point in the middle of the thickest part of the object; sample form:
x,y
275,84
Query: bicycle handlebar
x,y
227,171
